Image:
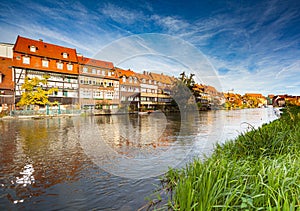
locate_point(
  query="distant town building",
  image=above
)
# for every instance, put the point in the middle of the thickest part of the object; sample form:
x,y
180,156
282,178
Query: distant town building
x,y
164,88
255,99
149,89
129,89
98,84
278,101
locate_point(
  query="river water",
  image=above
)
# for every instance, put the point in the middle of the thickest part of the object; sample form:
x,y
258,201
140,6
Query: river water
x,y
106,162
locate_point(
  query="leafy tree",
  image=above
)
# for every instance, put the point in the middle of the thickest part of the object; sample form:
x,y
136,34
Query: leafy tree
x,y
36,92
188,81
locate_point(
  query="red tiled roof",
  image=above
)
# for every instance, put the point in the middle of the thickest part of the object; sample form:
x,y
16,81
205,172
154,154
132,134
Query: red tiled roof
x,y
256,95
95,62
122,72
44,49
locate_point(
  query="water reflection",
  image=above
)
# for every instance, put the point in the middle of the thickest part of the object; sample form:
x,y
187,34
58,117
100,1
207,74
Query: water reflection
x,y
45,164
45,152
136,146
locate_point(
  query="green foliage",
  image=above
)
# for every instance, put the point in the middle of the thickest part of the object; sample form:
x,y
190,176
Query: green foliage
x,y
35,92
257,171
188,81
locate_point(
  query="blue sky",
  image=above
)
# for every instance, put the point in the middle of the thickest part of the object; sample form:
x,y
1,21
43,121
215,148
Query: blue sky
x,y
248,46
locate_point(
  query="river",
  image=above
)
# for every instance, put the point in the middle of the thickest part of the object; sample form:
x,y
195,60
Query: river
x,y
106,162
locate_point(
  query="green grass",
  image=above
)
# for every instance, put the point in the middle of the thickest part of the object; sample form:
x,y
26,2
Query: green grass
x,y
260,170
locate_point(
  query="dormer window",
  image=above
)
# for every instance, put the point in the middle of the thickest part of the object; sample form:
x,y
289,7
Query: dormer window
x,y
26,60
130,79
144,80
149,81
135,80
45,63
124,79
70,67
59,65
33,48
65,55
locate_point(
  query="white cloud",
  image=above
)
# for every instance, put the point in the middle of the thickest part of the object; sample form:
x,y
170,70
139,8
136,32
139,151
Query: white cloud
x,y
120,15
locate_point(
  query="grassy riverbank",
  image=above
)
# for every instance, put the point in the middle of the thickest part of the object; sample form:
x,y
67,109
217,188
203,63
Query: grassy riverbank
x,y
260,170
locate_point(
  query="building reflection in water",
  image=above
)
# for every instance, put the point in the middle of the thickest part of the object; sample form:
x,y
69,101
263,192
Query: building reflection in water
x,y
38,154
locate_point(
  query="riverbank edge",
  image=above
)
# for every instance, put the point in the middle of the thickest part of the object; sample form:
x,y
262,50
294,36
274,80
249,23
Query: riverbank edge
x,y
256,171
38,116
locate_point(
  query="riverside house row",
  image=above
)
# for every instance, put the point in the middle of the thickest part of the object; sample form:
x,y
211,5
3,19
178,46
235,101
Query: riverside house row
x,y
87,82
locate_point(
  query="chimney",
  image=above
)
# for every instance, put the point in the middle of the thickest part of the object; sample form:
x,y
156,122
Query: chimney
x,y
41,40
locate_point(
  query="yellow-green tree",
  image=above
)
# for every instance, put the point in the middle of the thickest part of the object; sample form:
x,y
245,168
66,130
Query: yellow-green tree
x,y
36,92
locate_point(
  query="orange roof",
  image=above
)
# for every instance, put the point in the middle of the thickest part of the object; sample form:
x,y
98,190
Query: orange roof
x,y
254,95
199,86
44,49
95,62
161,78
144,76
6,72
122,72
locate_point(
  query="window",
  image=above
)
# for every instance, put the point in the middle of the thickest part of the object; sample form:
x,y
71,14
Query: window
x,y
135,80
98,72
94,71
45,63
59,65
98,81
124,79
130,80
0,78
65,93
69,67
86,80
32,48
149,81
103,72
65,55
26,60
85,69
109,73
